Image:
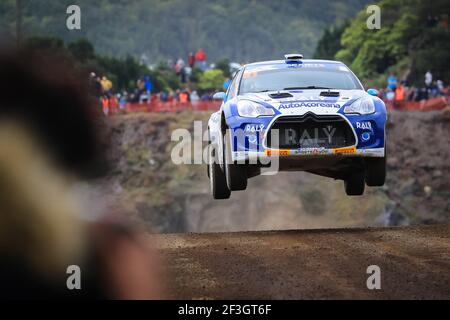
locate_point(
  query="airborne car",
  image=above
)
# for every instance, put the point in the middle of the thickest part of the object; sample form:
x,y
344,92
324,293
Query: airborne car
x,y
311,115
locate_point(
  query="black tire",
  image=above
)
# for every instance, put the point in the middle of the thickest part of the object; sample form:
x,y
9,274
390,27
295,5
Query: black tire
x,y
375,171
236,174
354,184
217,180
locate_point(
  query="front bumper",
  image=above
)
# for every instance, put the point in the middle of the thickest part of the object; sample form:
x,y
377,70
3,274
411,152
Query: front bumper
x,y
306,153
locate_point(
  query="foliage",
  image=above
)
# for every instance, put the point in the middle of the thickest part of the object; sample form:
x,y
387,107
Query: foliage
x,y
241,30
211,80
82,49
330,42
224,65
404,34
122,72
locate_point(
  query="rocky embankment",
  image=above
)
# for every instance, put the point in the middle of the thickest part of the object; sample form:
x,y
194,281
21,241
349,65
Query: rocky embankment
x,y
175,198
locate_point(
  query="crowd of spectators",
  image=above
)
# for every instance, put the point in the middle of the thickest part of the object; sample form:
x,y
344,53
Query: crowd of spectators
x,y
396,94
145,93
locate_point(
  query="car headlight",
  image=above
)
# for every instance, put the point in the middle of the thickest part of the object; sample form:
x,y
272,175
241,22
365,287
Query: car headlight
x,y
361,106
250,109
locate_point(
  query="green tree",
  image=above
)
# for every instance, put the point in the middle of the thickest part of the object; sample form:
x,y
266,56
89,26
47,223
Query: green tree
x,y
82,49
240,30
330,42
224,65
404,44
211,80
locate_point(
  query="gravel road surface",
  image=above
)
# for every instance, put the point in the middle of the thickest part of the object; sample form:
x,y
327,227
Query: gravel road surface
x,y
308,264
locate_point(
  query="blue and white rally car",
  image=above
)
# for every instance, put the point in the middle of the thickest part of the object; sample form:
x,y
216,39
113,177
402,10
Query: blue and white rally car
x,y
309,115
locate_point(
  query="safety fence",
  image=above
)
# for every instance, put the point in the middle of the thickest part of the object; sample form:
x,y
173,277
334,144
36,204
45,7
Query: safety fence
x,y
156,106
424,105
164,107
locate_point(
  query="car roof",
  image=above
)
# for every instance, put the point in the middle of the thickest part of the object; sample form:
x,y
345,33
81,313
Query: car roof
x,y
282,63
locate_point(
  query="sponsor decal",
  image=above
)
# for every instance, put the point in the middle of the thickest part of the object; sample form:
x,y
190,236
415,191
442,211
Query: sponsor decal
x,y
309,105
365,136
275,152
250,74
254,128
366,125
351,150
252,138
314,65
310,151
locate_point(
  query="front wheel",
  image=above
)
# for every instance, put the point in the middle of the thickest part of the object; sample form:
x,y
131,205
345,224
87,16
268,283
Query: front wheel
x,y
217,179
375,171
354,184
236,174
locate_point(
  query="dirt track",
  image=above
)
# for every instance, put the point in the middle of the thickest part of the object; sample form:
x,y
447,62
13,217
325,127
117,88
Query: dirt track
x,y
308,264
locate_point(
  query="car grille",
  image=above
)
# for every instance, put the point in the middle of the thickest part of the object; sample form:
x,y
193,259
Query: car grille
x,y
311,131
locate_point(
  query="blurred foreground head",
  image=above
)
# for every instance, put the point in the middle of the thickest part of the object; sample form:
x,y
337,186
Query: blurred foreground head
x,y
49,138
48,98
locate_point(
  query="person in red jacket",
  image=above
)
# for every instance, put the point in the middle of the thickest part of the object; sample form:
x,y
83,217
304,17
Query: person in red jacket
x,y
200,57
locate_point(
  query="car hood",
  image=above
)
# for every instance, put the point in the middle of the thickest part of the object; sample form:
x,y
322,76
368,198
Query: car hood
x,y
304,101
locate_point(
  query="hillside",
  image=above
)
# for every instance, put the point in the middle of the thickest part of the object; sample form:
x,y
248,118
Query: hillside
x,y
238,29
414,37
170,198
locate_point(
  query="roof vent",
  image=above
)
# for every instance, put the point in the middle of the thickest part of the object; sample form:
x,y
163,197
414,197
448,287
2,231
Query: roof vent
x,y
280,95
293,57
329,93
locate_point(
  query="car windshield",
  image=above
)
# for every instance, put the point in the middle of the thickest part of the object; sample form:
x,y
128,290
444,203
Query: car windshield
x,y
265,79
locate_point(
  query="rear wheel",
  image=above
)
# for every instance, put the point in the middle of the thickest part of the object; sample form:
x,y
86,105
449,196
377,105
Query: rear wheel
x,y
354,184
236,174
217,180
375,171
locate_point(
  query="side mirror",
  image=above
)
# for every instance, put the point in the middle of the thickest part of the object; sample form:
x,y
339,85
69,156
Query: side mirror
x,y
373,92
219,96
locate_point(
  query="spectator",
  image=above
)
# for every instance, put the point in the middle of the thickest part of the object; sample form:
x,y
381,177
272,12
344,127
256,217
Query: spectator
x,y
106,85
113,104
423,94
141,94
440,86
95,85
171,97
163,96
392,82
432,21
205,97
444,21
399,96
194,97
179,66
105,105
176,95
200,57
412,94
122,100
184,97
191,60
390,95
180,70
50,145
148,85
226,84
428,79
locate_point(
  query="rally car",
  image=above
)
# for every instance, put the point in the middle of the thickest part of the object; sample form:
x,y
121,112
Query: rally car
x,y
308,115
